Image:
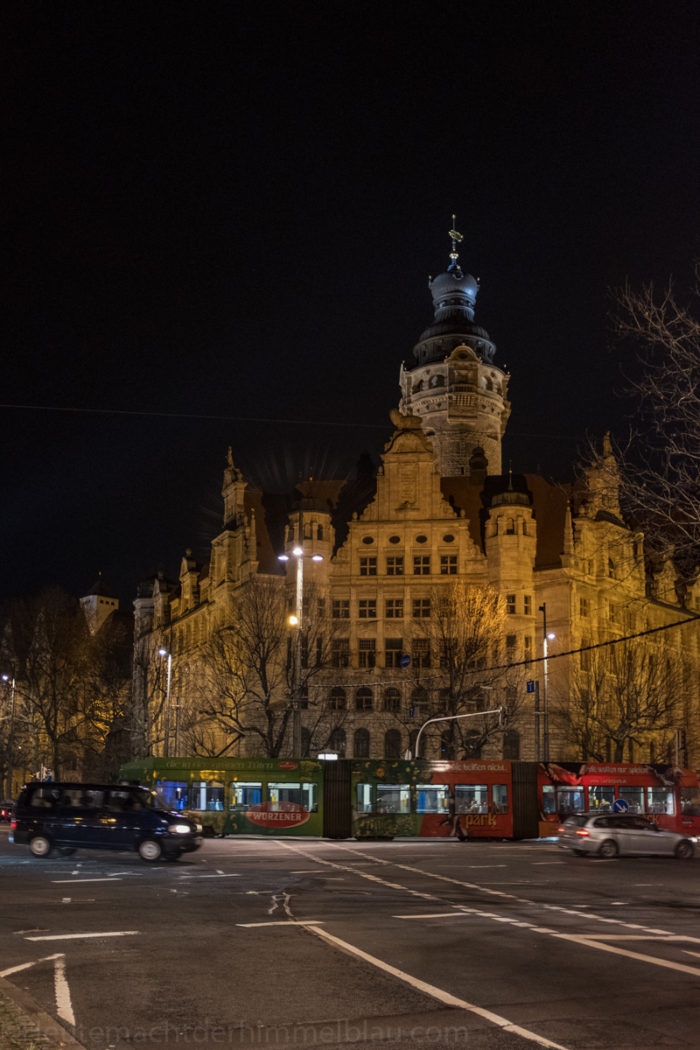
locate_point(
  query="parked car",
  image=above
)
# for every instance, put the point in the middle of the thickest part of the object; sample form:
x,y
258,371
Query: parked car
x,y
609,834
6,807
96,816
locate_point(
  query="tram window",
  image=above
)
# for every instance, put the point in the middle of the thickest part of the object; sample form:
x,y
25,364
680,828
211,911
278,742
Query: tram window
x,y
245,794
600,797
173,793
634,797
305,795
393,798
660,800
471,798
549,802
364,798
432,798
206,794
499,793
570,800
309,793
690,801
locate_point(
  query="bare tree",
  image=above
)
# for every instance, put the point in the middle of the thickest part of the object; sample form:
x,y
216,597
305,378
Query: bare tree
x,y
252,669
624,697
661,463
462,642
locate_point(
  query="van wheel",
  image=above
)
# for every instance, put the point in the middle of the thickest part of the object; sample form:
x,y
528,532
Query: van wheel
x,y
66,851
40,846
684,850
150,850
608,849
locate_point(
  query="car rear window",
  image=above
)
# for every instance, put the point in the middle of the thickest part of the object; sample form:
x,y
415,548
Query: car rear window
x,y
578,820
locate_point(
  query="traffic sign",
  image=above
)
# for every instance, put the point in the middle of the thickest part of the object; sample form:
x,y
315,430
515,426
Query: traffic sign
x,y
405,660
620,806
530,686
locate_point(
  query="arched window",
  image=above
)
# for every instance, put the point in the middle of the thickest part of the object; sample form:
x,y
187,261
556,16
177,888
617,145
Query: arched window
x,y
611,568
363,699
360,745
392,700
392,743
419,701
336,699
337,742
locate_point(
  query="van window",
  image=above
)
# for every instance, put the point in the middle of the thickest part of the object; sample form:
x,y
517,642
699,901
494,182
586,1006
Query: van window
x,y
81,797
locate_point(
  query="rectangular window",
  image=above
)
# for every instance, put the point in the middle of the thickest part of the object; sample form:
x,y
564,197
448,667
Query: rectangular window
x,y
367,652
660,800
634,797
432,798
527,604
305,795
471,798
527,647
393,648
420,652
448,564
583,607
421,565
499,793
341,608
510,603
394,565
206,794
368,566
368,608
511,641
383,798
394,609
243,795
421,608
340,652
601,797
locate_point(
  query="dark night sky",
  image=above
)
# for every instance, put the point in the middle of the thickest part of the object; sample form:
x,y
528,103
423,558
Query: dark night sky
x,y
214,211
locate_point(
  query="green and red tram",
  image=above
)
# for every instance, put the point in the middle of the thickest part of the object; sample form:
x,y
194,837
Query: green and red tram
x,y
375,799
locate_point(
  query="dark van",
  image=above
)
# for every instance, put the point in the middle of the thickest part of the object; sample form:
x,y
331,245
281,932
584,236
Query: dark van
x,y
97,816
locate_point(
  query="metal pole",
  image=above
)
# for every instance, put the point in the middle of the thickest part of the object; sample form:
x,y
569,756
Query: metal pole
x,y
166,714
296,701
451,718
538,751
545,698
10,737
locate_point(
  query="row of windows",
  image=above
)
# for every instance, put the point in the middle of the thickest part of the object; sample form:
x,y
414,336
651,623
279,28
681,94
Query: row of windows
x,y
393,608
422,653
395,565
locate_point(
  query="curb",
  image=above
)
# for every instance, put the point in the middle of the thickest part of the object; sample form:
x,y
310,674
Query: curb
x,y
25,1026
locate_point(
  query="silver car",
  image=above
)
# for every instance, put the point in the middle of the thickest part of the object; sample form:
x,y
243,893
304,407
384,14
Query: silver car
x,y
608,834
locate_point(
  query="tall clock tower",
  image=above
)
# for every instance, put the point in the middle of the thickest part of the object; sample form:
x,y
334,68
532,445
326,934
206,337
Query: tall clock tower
x,y
452,383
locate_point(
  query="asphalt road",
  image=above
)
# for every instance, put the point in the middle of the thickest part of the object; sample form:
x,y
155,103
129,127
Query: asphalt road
x,y
418,945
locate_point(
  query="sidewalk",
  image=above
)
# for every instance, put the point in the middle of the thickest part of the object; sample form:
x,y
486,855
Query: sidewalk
x,y
25,1026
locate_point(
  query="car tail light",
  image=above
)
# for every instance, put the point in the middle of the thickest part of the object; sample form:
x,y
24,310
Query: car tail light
x,y
583,833
13,825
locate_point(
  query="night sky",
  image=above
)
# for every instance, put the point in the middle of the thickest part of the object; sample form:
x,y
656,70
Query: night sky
x,y
219,220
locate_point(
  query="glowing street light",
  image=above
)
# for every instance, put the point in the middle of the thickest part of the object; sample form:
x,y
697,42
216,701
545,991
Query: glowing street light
x,y
295,620
166,719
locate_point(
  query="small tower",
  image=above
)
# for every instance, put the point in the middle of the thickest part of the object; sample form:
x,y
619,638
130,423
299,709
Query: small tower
x,y
98,604
452,384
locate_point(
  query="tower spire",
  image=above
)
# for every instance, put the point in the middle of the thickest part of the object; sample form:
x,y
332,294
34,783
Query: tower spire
x,y
456,238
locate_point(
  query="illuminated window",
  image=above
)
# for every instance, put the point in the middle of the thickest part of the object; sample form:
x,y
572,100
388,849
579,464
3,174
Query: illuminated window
x,y
368,566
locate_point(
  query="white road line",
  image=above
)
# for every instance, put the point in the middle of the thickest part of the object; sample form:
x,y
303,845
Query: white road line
x,y
665,963
64,1006
81,936
25,966
280,922
74,882
219,875
437,993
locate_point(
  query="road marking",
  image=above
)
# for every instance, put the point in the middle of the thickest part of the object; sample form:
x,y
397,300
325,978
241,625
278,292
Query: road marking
x,y
80,936
219,875
665,963
437,993
64,1006
280,922
25,966
74,882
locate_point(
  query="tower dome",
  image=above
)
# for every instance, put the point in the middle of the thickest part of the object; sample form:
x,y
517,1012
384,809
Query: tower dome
x,y
452,383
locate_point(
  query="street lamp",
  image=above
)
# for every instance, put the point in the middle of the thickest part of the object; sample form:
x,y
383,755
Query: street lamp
x,y
545,702
10,736
166,719
296,622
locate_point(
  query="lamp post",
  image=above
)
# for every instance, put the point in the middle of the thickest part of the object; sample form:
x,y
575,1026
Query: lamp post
x,y
296,622
10,736
545,675
166,719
